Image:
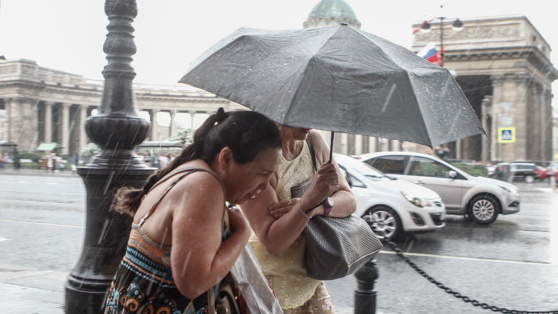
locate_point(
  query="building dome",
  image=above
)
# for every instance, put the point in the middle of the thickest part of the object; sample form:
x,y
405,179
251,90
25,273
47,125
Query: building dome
x,y
331,12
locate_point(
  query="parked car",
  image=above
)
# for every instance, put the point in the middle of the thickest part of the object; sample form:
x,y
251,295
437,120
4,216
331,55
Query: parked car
x,y
480,198
390,206
524,172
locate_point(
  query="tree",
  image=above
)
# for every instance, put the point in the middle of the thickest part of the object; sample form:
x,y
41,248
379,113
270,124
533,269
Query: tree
x,y
184,136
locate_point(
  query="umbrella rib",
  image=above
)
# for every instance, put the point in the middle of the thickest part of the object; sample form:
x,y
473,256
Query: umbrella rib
x,y
302,75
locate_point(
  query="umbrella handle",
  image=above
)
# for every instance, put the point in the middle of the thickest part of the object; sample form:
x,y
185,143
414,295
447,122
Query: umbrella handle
x,y
331,147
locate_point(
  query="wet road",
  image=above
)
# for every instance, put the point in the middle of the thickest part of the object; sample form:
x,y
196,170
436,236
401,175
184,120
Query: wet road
x,y
512,263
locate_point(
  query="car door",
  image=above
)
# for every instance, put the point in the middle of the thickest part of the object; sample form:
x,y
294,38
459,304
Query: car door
x,y
359,189
434,175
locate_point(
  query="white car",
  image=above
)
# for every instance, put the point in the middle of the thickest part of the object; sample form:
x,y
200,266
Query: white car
x,y
390,206
482,199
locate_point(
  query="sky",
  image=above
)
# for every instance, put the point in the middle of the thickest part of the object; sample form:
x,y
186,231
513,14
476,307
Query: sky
x,y
68,35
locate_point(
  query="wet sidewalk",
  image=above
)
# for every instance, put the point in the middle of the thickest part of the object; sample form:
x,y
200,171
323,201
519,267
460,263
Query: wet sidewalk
x,y
37,172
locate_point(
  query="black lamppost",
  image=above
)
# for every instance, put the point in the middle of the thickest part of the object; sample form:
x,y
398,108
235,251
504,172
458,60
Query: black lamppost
x,y
425,28
117,129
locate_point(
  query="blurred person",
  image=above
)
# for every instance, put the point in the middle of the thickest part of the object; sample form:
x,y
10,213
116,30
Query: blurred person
x,y
163,160
278,220
181,243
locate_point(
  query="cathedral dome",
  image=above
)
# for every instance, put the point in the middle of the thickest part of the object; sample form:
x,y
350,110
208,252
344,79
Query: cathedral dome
x,y
331,12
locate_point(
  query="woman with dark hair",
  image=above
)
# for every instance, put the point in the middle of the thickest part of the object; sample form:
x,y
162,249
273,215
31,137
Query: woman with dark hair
x,y
278,218
183,240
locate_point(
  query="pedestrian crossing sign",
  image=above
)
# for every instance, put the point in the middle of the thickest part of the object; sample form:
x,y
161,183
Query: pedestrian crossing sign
x,y
506,135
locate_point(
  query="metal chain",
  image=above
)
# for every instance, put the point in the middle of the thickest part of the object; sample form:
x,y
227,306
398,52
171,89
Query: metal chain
x,y
457,294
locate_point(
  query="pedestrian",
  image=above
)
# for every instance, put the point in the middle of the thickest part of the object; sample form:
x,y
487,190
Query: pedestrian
x,y
279,219
177,247
50,163
163,160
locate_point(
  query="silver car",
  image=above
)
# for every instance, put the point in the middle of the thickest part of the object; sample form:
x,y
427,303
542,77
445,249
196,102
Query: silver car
x,y
482,199
390,206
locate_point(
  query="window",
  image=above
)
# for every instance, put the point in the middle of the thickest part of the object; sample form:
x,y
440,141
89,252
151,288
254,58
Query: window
x,y
389,164
425,167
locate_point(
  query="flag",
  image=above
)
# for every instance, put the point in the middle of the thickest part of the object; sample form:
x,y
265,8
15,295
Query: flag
x,y
430,53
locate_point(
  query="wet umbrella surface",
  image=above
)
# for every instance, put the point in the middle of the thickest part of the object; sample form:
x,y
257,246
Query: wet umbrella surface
x,y
340,79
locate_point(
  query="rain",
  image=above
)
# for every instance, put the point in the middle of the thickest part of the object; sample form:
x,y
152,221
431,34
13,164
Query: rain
x,y
511,263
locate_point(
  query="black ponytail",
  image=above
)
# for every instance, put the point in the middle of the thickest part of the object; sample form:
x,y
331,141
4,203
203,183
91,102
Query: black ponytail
x,y
246,133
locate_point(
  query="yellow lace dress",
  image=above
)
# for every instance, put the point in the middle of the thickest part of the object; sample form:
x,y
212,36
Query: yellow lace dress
x,y
296,292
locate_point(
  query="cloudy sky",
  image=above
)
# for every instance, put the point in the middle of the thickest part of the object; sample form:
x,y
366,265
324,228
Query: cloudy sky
x,y
68,35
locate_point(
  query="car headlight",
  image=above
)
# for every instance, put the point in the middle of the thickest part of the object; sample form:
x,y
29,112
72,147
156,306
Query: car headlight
x,y
508,189
417,201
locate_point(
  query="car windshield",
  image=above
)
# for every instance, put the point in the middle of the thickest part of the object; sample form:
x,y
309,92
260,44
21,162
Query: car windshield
x,y
363,168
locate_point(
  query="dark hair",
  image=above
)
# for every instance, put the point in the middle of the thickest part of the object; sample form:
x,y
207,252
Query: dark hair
x,y
246,133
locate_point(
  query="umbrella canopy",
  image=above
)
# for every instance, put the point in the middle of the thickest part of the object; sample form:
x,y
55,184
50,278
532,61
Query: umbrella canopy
x,y
340,79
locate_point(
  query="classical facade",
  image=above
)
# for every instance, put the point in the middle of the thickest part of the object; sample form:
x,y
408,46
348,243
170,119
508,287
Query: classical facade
x,y
502,64
39,105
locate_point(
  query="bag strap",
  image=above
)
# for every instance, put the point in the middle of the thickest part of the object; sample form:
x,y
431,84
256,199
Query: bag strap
x,y
312,151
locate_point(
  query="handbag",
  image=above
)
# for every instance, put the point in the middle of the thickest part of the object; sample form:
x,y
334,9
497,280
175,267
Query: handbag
x,y
223,298
335,247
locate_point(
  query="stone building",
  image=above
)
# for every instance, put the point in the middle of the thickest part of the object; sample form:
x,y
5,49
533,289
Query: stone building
x,y
39,105
501,63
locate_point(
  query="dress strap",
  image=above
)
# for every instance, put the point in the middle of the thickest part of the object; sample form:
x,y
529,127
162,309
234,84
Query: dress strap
x,y
168,176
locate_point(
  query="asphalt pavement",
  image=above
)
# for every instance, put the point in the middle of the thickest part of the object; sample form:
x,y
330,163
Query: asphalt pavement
x,y
42,229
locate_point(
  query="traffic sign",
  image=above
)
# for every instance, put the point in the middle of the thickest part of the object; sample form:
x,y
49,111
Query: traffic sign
x,y
506,135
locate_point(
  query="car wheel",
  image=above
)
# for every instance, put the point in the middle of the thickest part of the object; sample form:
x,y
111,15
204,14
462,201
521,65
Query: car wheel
x,y
484,209
529,179
384,221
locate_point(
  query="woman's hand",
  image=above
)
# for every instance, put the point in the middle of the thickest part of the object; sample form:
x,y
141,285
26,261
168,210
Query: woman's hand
x,y
324,183
281,208
238,222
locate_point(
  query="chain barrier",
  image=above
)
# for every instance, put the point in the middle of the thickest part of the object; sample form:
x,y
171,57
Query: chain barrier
x,y
456,294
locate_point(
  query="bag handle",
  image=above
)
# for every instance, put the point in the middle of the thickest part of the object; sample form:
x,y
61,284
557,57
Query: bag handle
x,y
312,151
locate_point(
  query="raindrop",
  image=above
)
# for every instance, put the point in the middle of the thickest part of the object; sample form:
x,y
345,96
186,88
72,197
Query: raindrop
x,y
186,263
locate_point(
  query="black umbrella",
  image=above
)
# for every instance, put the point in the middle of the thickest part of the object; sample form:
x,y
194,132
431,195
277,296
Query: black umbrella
x,y
339,79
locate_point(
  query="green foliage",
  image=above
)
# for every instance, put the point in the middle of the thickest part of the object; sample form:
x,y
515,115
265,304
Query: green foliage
x,y
90,150
475,170
33,156
184,136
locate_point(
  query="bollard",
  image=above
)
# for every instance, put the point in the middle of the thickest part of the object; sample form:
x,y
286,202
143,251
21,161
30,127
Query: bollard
x,y
365,294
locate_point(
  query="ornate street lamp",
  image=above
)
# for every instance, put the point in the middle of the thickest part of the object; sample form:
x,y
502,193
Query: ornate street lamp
x,y
117,129
426,27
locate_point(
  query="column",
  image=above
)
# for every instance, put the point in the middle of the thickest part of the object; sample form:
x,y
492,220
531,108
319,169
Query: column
x,y
65,129
48,121
496,112
372,141
519,112
154,125
358,144
172,122
395,145
344,143
9,120
82,133
24,123
192,114
486,108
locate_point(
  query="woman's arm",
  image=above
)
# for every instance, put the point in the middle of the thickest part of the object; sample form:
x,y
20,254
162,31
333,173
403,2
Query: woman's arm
x,y
276,234
198,258
345,202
